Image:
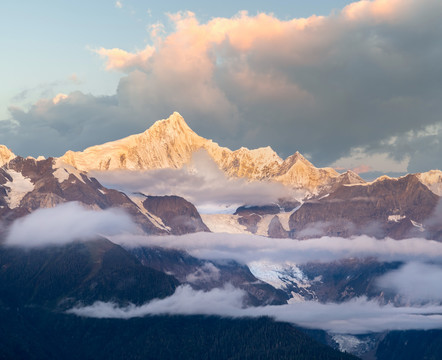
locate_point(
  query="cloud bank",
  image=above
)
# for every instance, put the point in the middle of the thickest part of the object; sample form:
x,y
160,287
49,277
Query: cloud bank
x,y
247,248
66,223
368,77
358,316
202,183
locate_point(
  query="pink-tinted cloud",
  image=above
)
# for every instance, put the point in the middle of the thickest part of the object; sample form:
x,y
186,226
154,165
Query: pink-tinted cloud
x,y
118,59
362,169
378,10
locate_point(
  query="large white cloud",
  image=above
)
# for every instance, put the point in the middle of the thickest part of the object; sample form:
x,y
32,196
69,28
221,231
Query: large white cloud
x,y
323,85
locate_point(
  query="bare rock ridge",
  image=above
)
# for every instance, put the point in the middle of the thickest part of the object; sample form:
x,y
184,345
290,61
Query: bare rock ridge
x,y
177,213
170,143
398,208
276,229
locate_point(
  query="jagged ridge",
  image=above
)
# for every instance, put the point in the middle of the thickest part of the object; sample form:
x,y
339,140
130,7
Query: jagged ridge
x,y
170,143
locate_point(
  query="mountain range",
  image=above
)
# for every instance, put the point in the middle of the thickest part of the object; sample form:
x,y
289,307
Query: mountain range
x,y
398,208
45,282
170,143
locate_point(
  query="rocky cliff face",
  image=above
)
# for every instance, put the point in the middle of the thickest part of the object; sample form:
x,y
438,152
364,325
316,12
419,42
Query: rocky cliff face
x,y
179,215
276,230
386,207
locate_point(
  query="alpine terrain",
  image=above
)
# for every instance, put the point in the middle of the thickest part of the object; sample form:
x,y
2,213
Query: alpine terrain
x,y
83,258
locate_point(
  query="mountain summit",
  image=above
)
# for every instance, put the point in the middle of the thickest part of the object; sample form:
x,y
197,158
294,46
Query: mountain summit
x,y
5,155
171,143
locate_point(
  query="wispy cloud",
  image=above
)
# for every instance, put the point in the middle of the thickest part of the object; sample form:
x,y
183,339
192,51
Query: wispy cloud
x,y
66,223
203,184
248,248
358,316
184,301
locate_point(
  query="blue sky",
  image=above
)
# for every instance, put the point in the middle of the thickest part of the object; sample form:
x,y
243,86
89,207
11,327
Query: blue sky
x,y
356,88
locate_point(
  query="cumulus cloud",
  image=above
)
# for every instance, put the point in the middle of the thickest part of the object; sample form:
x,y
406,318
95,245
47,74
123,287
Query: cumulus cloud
x,y
66,223
202,183
247,248
118,59
325,86
358,316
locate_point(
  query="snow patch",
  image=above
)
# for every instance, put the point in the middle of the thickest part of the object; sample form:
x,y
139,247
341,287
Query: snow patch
x,y
347,343
228,223
63,170
418,225
18,188
379,179
223,223
263,225
285,217
61,174
396,218
278,275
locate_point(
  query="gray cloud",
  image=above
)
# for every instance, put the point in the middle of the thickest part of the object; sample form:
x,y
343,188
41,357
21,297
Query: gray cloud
x,y
66,223
207,272
247,248
422,145
358,316
71,123
323,85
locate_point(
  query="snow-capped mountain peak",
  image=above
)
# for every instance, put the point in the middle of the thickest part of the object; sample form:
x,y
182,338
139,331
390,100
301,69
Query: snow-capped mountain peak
x,y
5,155
171,143
433,180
